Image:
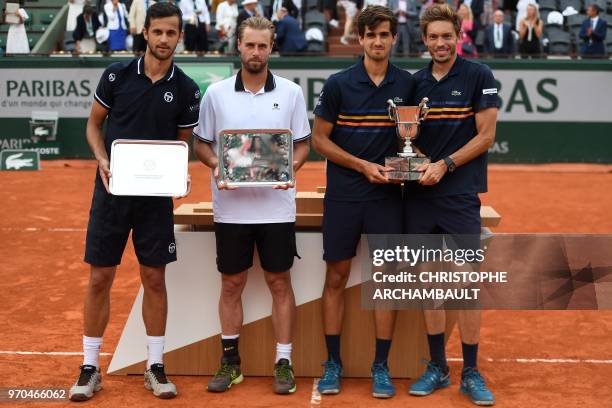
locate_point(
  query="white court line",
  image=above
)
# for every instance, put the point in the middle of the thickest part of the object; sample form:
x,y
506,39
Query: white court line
x,y
34,229
315,397
48,353
540,360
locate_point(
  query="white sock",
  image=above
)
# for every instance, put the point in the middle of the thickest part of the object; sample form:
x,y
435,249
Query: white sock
x,y
283,351
91,350
155,350
230,336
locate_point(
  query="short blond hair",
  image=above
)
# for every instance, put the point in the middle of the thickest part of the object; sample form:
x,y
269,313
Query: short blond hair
x,y
440,12
256,23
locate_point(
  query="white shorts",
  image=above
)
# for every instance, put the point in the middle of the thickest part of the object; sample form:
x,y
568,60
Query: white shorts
x,y
349,7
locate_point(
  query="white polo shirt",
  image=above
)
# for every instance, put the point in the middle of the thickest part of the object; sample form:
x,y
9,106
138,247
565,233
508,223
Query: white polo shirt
x,y
227,104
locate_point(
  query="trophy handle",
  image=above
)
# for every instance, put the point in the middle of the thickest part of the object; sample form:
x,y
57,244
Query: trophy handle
x,y
392,110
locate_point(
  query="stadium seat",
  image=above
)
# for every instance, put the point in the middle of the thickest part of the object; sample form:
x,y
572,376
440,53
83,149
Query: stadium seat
x,y
312,4
609,42
576,4
575,20
47,17
548,5
558,42
69,43
314,18
315,47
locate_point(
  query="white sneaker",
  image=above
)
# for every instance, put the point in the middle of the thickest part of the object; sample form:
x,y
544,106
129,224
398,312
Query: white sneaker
x,y
90,381
333,23
155,380
344,40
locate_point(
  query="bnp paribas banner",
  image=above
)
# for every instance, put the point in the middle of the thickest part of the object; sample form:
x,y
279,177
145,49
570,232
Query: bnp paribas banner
x,y
544,96
69,92
545,114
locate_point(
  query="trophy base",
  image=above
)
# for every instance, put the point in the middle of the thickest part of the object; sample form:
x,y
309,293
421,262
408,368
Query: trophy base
x,y
405,168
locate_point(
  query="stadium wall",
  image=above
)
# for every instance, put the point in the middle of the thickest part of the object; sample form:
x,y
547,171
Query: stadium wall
x,y
552,110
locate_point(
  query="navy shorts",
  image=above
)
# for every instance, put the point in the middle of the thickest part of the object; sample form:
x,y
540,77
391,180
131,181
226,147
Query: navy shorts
x,y
236,246
458,217
111,219
345,221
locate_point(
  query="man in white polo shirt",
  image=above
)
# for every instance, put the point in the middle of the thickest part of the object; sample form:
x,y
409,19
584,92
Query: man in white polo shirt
x,y
249,216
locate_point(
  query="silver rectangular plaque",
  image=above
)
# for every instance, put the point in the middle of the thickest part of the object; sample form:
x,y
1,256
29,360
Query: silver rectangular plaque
x,y
149,168
255,157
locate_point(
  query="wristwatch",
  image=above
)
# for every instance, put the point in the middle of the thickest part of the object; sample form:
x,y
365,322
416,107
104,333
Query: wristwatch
x,y
450,164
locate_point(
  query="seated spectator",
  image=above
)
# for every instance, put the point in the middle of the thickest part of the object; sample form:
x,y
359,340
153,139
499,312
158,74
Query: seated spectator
x,y
84,34
197,25
17,38
75,8
593,33
227,15
498,38
249,9
465,45
406,12
530,32
117,24
136,18
289,38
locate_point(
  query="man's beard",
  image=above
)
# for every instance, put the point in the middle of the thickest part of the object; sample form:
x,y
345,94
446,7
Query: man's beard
x,y
161,57
377,57
255,67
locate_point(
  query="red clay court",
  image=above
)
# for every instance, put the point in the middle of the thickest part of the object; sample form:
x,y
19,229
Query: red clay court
x,y
529,358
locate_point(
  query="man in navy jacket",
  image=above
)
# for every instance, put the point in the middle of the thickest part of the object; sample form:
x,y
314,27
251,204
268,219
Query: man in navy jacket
x,y
498,38
289,37
593,33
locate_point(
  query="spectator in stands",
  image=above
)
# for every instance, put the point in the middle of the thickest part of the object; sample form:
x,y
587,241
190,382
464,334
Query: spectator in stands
x,y
227,15
478,12
136,18
75,8
330,10
530,32
289,38
593,33
350,9
288,4
117,24
249,9
84,34
196,19
498,38
521,11
17,38
465,45
405,11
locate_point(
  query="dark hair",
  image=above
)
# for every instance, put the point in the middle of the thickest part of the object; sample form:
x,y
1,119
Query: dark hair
x,y
372,16
440,12
161,10
87,10
595,7
256,23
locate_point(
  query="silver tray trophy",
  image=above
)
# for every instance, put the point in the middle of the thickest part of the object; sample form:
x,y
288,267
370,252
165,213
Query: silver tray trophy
x,y
407,120
255,157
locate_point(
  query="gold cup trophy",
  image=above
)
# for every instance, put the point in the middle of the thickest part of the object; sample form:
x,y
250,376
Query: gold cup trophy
x,y
407,121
